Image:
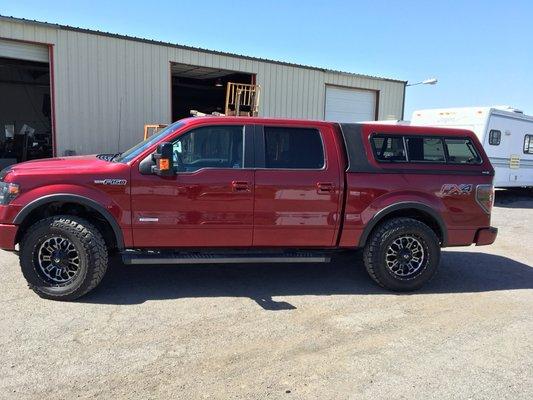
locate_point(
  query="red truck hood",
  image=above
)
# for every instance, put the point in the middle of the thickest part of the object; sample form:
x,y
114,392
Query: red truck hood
x,y
75,163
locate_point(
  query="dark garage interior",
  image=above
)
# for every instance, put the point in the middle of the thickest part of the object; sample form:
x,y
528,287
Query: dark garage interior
x,y
201,89
25,111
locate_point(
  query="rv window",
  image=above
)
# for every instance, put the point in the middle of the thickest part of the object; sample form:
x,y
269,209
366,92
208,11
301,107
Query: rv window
x,y
389,148
495,137
528,144
462,151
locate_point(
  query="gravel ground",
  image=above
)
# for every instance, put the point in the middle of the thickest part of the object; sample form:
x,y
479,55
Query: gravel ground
x,y
283,331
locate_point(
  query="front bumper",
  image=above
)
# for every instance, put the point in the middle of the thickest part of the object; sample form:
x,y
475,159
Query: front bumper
x,y
8,233
486,236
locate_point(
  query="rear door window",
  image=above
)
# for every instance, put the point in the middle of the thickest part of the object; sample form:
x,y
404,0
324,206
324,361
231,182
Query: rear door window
x,y
293,148
425,149
389,148
462,151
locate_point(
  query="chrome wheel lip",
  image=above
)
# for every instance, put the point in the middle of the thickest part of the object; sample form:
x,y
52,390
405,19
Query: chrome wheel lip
x,y
406,256
58,260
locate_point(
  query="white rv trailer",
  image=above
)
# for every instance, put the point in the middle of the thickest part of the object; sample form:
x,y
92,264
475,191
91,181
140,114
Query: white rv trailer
x,y
505,133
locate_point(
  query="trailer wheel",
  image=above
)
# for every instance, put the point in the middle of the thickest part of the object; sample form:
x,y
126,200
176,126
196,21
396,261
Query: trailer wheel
x,y
63,257
402,254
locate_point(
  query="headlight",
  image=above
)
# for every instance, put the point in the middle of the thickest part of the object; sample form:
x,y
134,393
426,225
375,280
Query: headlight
x,y
8,191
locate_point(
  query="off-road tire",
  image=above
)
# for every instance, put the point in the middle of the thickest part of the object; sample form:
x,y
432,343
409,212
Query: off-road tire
x,y
91,248
383,236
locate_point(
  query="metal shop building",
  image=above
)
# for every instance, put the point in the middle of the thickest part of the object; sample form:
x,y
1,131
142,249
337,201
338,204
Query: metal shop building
x,y
65,90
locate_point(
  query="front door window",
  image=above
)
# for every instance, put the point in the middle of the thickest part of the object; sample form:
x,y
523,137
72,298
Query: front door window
x,y
210,147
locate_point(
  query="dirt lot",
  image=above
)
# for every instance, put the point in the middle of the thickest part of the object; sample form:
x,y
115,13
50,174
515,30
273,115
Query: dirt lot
x,y
283,331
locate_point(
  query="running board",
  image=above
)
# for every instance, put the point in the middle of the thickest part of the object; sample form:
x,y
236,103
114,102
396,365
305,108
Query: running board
x,y
137,258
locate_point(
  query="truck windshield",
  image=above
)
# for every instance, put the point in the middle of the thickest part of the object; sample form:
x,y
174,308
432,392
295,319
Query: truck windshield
x,y
130,154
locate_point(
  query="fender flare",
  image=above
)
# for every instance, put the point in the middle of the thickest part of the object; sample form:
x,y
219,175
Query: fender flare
x,y
381,214
73,198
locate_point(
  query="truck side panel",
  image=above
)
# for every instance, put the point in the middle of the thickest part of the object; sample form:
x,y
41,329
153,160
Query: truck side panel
x,y
368,194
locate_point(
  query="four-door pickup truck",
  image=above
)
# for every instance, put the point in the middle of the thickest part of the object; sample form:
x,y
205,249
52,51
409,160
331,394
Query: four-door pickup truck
x,y
234,190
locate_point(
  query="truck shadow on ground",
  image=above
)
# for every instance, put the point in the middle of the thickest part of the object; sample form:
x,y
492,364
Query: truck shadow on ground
x,y
514,198
460,272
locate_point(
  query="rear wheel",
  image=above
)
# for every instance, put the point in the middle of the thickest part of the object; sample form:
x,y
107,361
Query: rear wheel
x,y
63,257
402,254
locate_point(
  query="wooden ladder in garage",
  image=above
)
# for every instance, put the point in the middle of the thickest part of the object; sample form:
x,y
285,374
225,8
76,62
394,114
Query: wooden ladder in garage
x,y
242,99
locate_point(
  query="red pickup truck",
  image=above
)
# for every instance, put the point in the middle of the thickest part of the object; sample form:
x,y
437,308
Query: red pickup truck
x,y
229,190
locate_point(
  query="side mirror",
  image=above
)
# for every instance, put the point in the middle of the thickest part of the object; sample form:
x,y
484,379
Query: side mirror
x,y
163,158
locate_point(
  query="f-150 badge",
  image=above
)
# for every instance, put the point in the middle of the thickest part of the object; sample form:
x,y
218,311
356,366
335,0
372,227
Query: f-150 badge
x,y
451,189
116,182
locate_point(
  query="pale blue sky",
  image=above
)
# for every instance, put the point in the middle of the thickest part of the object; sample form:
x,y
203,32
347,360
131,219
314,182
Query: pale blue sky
x,y
481,51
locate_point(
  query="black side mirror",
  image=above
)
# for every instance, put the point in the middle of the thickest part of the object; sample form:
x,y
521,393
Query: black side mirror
x,y
164,161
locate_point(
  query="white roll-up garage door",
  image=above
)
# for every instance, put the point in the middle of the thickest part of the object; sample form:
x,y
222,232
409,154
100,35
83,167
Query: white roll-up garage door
x,y
23,51
350,105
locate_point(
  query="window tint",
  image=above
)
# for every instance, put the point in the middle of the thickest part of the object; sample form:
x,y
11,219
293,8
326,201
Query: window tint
x,y
425,149
528,144
462,151
389,148
295,148
210,147
495,137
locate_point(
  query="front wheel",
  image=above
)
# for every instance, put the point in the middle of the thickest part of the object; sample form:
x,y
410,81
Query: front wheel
x,y
402,254
63,257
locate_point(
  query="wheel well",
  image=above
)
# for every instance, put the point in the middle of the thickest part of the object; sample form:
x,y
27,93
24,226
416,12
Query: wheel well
x,y
69,208
413,213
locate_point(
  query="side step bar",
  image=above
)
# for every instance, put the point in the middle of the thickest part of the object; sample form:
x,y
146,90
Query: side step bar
x,y
137,258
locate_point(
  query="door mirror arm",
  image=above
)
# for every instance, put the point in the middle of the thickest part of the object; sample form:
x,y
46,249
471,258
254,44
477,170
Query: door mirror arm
x,y
145,166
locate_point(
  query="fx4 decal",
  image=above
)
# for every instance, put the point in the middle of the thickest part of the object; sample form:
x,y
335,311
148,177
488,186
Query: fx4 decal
x,y
119,182
451,189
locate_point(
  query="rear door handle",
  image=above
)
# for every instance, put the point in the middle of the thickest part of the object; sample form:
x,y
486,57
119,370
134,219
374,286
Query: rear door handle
x,y
240,186
325,187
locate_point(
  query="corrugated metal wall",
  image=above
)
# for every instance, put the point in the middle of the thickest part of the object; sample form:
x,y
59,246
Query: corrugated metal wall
x,y
106,88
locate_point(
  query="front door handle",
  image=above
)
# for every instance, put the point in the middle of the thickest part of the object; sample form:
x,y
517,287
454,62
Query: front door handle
x,y
325,187
240,186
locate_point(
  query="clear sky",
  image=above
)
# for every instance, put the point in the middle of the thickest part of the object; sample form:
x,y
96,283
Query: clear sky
x,y
481,51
